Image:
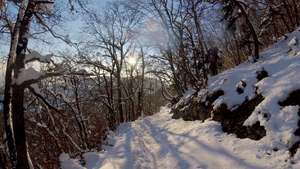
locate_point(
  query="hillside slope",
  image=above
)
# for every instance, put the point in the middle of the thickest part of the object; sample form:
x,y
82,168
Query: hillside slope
x,y
255,100
258,102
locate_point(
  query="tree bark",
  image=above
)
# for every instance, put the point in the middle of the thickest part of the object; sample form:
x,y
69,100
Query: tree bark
x,y
119,99
23,161
8,92
141,91
252,30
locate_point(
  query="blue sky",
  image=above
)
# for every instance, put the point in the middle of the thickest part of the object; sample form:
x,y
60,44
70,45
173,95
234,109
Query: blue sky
x,y
71,27
74,29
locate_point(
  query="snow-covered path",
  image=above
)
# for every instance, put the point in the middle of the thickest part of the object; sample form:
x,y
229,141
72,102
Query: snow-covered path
x,y
159,142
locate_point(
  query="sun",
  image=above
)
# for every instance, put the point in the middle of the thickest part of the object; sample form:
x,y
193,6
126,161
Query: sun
x,y
132,60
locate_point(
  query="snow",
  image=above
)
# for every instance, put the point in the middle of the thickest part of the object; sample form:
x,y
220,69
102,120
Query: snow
x,y
293,42
282,62
36,56
36,88
185,98
68,163
274,60
27,74
275,89
161,142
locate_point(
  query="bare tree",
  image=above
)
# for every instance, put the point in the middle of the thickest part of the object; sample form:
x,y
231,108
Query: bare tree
x,y
114,32
16,80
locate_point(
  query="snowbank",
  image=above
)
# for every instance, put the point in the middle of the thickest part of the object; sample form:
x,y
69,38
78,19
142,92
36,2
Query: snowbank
x,y
282,63
273,78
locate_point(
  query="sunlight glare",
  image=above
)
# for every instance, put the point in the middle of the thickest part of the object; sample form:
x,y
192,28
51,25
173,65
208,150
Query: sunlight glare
x,y
132,60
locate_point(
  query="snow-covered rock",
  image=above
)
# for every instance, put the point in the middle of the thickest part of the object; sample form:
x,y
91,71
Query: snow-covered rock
x,y
272,79
293,42
283,78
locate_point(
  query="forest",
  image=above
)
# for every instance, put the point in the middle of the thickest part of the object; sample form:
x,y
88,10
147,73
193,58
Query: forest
x,y
146,84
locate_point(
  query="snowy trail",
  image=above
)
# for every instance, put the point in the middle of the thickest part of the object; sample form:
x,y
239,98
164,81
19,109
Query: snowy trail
x,y
159,142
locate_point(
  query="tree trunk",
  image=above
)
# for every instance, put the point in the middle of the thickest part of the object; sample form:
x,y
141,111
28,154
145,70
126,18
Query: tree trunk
x,y
23,161
3,159
296,12
141,91
79,117
252,30
288,12
19,127
119,99
285,23
7,107
8,92
178,86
